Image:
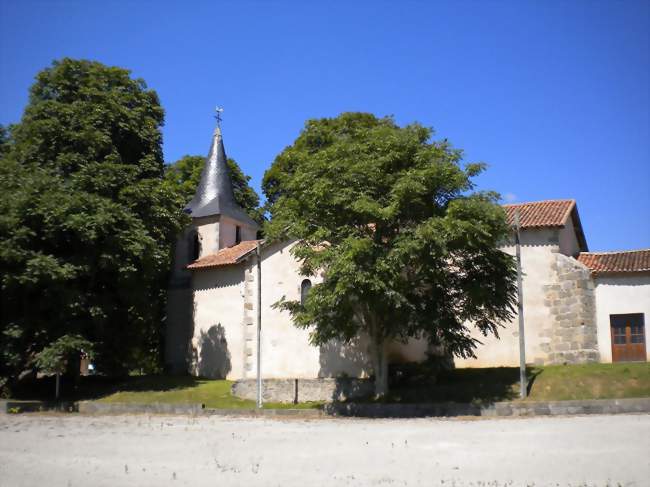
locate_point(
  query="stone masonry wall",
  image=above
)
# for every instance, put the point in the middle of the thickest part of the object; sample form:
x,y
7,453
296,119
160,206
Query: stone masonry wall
x,y
249,328
301,390
571,336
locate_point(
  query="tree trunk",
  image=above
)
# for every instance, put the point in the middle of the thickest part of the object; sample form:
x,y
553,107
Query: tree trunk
x,y
58,379
380,366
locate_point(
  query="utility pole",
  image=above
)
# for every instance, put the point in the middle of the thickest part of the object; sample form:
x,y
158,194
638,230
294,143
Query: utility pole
x,y
259,324
523,392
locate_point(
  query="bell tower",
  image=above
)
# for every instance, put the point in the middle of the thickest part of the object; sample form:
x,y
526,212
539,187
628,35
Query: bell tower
x,y
218,222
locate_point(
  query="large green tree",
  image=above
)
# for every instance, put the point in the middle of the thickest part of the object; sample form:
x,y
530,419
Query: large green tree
x,y
86,220
184,175
407,248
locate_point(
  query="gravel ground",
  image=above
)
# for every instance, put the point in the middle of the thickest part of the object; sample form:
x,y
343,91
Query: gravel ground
x,y
138,450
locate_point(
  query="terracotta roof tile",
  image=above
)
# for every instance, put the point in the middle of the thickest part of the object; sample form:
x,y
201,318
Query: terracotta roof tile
x,y
539,214
227,256
614,262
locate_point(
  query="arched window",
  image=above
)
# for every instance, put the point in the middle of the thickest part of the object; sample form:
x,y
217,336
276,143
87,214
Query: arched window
x,y
305,286
194,246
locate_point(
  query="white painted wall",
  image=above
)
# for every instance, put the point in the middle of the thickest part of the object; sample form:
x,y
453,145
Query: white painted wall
x,y
415,350
286,351
219,300
208,230
568,241
537,258
620,294
227,232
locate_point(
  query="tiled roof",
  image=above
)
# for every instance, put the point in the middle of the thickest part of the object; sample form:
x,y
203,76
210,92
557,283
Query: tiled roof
x,y
539,214
227,256
614,262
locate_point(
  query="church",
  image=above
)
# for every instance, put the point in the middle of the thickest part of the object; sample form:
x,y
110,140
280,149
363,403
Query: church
x,y
579,306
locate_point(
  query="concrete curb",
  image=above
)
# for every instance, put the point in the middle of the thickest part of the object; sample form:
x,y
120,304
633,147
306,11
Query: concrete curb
x,y
94,407
360,410
499,409
14,406
269,413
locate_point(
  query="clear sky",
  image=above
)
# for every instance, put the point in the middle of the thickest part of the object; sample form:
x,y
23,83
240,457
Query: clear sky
x,y
553,95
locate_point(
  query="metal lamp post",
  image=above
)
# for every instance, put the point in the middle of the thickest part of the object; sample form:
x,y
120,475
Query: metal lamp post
x,y
520,308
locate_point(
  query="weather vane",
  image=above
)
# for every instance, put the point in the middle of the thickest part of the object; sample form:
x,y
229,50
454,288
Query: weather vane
x,y
219,111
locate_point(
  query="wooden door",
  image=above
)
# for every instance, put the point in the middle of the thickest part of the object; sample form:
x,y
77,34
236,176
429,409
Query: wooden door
x,y
628,338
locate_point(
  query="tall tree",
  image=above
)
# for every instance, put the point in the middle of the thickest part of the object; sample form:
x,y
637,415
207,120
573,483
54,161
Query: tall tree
x,y
4,140
407,248
184,175
86,221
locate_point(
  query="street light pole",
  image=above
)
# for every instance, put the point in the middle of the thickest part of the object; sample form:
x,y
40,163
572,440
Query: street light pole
x,y
259,325
520,309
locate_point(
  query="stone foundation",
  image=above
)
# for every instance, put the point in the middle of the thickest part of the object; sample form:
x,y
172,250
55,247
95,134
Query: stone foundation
x,y
301,390
571,336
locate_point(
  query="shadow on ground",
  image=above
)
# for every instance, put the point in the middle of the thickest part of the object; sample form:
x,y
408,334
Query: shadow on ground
x,y
97,387
409,384
482,386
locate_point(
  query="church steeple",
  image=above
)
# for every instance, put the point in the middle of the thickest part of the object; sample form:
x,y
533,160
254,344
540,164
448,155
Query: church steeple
x,y
214,194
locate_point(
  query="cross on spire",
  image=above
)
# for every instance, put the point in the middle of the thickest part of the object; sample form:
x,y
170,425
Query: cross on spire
x,y
219,111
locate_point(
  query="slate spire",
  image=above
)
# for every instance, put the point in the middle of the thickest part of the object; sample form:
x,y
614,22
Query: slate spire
x,y
214,194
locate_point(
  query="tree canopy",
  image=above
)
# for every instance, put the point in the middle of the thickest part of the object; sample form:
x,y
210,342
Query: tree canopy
x,y
86,221
407,247
184,175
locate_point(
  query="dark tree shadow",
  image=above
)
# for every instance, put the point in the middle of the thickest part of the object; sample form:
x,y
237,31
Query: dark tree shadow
x,y
96,387
480,385
531,374
345,362
179,327
339,359
214,363
214,356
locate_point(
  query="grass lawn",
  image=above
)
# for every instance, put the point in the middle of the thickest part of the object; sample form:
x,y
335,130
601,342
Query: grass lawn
x,y
591,381
212,393
149,389
550,383
485,385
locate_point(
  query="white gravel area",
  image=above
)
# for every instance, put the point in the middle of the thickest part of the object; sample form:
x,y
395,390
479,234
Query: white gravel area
x,y
139,450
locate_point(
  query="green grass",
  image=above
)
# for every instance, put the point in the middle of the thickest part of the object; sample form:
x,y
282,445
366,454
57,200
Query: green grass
x,y
591,381
484,385
188,390
550,383
178,390
148,389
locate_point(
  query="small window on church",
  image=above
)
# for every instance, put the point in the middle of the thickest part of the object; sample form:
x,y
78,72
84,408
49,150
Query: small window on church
x,y
237,234
305,286
195,247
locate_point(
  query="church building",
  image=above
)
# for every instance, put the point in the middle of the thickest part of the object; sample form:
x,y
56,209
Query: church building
x,y
579,306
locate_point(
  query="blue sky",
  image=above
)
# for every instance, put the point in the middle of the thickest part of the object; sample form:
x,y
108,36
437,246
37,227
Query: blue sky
x,y
553,95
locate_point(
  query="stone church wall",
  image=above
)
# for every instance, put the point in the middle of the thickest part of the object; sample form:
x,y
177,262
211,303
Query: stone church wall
x,y
571,336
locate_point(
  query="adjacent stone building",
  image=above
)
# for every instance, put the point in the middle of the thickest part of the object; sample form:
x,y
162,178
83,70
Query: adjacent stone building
x,y
579,306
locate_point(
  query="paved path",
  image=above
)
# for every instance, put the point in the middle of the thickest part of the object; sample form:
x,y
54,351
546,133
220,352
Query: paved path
x,y
76,450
